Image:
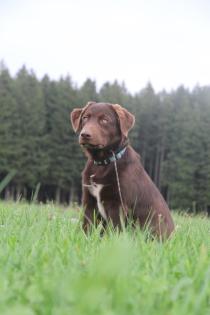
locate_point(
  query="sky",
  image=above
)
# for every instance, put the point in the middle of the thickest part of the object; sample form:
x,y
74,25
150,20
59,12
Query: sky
x,y
164,42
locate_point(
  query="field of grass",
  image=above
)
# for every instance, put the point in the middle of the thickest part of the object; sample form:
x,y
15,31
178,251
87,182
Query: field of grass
x,y
49,267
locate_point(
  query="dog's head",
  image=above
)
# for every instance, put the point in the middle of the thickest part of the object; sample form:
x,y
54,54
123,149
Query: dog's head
x,y
101,125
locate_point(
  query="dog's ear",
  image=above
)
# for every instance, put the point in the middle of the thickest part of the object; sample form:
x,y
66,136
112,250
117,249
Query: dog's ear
x,y
76,116
126,119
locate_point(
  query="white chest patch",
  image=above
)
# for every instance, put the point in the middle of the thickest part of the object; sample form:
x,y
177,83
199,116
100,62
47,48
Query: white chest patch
x,y
95,190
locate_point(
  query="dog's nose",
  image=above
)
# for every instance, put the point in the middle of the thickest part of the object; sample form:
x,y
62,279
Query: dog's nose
x,y
85,135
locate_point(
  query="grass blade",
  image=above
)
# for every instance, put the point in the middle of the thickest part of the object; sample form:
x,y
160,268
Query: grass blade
x,y
7,179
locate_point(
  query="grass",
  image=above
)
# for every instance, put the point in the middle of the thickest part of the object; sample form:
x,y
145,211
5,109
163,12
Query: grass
x,y
49,267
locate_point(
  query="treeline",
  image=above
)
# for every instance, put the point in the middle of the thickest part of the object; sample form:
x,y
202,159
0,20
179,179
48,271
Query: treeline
x,y
172,135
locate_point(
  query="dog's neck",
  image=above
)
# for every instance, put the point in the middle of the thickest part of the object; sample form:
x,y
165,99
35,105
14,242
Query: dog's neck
x,y
108,154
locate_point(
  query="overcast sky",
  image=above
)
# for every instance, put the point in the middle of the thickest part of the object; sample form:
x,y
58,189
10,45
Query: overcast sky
x,y
164,42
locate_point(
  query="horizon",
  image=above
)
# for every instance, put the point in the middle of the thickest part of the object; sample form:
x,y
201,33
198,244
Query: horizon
x,y
121,83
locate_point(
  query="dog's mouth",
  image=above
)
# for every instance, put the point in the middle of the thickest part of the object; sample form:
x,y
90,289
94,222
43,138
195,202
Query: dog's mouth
x,y
92,146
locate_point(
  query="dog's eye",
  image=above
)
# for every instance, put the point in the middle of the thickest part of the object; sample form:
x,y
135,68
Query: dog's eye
x,y
104,121
85,118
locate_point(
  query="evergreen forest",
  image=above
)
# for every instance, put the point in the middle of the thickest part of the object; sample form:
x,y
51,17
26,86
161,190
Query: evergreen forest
x,y
171,134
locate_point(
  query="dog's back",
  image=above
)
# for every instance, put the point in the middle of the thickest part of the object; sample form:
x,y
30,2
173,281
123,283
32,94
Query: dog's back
x,y
143,198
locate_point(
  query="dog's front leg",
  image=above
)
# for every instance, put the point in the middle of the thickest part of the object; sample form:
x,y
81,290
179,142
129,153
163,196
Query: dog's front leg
x,y
89,205
113,213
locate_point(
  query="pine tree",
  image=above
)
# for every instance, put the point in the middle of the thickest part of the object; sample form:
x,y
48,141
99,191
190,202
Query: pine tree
x,y
31,115
9,125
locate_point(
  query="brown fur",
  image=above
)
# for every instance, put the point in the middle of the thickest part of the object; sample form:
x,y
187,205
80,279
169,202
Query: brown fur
x,y
104,128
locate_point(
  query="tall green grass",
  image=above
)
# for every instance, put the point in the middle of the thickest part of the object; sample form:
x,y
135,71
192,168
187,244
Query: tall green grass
x,y
48,266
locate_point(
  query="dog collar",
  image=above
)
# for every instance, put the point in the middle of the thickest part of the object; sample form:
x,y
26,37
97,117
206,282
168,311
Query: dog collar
x,y
116,156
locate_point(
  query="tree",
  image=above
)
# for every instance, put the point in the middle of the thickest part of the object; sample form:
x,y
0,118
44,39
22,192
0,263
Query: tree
x,y
31,140
88,92
9,126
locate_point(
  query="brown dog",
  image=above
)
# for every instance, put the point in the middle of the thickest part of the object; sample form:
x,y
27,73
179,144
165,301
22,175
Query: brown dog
x,y
114,180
